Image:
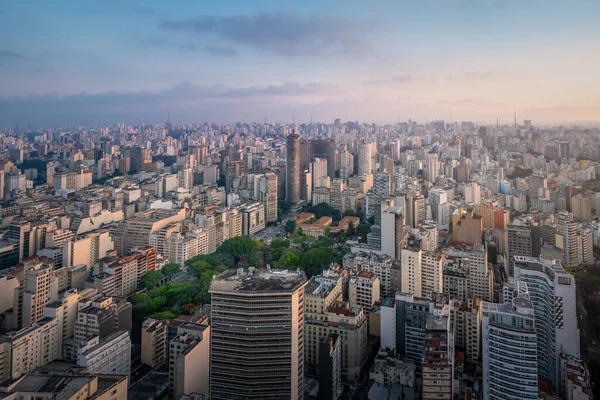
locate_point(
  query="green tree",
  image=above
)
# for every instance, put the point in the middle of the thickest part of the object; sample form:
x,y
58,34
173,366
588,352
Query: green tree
x,y
170,269
150,280
163,315
289,259
290,226
238,247
276,243
363,229
315,260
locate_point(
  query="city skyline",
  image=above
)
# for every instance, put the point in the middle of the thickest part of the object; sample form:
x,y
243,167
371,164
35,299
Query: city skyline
x,y
108,62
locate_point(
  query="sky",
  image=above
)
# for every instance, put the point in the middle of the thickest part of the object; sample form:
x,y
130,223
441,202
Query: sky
x,y
108,61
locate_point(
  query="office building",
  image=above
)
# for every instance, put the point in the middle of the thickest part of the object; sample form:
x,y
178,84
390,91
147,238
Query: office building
x,y
392,227
364,290
438,365
39,287
509,348
432,264
380,265
523,240
465,318
575,241
553,295
365,157
412,267
154,343
253,218
189,360
325,149
330,367
403,323
262,310
110,355
268,195
292,181
25,350
326,313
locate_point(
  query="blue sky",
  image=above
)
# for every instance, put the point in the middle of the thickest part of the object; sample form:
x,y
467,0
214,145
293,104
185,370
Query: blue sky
x,y
99,62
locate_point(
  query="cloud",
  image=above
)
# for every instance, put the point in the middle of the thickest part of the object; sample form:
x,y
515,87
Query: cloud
x,y
161,43
199,101
8,55
387,81
220,51
281,33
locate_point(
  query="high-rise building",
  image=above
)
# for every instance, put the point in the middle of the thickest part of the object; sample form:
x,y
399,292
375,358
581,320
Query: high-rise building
x,y
523,240
411,267
109,355
325,148
472,193
575,241
25,350
268,195
392,228
432,263
293,169
39,288
509,348
465,317
438,365
327,314
581,206
381,184
364,290
257,339
189,360
19,231
380,265
330,367
318,170
365,157
433,166
403,323
346,164
154,343
553,295
138,158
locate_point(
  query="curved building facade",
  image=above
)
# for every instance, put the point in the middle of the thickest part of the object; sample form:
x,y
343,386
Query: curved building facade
x,y
509,347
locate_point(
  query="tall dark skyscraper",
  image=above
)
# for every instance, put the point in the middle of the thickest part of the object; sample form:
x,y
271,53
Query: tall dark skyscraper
x,y
292,182
325,148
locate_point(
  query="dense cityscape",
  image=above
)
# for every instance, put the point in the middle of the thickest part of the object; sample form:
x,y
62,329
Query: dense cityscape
x,y
299,200
289,261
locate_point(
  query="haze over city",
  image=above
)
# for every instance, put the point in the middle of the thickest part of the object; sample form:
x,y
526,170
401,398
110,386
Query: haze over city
x,y
299,200
99,62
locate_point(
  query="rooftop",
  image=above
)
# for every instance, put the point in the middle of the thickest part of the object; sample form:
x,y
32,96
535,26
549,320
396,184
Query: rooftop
x,y
254,280
435,323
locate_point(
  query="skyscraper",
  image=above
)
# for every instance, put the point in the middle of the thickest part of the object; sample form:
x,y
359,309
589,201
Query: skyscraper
x,y
257,339
509,348
292,184
432,166
552,291
325,148
365,157
268,195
